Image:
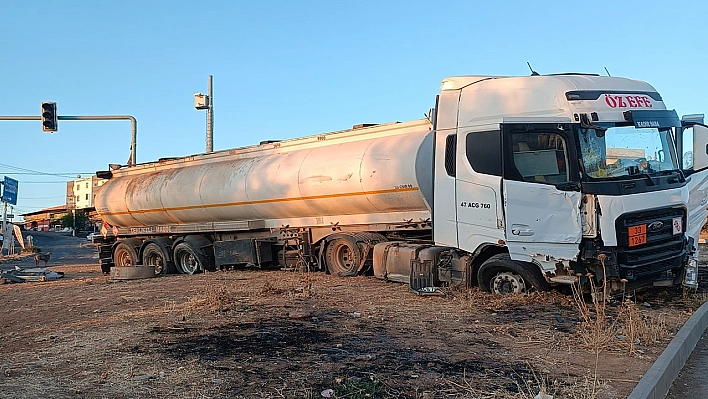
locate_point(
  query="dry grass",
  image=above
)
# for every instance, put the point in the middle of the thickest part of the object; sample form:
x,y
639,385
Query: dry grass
x,y
215,298
475,297
637,328
220,296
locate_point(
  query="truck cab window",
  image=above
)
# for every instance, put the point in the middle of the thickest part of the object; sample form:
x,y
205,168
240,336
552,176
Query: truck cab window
x,y
540,157
484,152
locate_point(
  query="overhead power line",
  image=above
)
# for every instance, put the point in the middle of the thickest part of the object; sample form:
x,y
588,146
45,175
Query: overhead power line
x,y
36,172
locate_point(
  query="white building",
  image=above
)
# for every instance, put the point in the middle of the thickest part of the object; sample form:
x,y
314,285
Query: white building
x,y
81,192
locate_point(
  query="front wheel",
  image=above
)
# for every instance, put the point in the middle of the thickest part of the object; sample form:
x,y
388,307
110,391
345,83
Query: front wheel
x,y
501,275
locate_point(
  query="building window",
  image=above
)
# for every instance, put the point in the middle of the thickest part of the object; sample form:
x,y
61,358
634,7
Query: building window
x,y
86,197
86,184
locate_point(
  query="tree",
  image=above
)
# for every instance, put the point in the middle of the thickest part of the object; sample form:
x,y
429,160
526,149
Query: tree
x,y
82,220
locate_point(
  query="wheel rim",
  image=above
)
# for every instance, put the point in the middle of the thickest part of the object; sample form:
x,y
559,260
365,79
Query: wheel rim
x,y
123,258
153,257
342,257
508,283
187,262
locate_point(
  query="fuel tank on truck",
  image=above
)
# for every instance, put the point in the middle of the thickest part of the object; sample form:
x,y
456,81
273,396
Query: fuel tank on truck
x,y
380,170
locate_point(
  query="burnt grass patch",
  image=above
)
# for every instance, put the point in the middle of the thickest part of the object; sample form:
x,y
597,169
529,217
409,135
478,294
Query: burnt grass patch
x,y
315,354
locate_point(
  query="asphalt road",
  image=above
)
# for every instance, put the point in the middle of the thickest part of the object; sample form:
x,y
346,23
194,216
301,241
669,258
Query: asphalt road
x,y
66,251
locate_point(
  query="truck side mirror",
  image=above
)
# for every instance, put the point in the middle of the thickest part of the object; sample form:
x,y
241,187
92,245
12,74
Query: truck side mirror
x,y
700,147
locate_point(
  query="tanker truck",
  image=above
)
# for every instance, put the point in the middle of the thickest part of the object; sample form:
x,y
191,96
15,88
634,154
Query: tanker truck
x,y
512,184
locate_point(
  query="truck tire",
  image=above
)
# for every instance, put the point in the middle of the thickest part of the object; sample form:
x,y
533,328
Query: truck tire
x,y
346,254
501,275
124,254
156,255
188,259
343,256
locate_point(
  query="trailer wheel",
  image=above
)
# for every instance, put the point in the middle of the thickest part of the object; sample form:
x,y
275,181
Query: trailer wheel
x,y
188,259
501,275
124,254
153,255
343,256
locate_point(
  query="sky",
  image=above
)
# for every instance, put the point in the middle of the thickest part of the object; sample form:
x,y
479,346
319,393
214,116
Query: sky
x,y
285,69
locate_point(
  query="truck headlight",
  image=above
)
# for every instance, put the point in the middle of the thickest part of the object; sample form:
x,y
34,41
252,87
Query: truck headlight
x,y
691,278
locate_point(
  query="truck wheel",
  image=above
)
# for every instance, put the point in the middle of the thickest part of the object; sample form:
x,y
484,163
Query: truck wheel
x,y
124,254
153,255
188,259
501,275
343,256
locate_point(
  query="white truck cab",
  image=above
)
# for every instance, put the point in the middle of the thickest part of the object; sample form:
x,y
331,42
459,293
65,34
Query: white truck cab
x,y
578,175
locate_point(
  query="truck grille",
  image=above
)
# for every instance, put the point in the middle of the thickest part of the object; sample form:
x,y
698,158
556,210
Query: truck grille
x,y
662,249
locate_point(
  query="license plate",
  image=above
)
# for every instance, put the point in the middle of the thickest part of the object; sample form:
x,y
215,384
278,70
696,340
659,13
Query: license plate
x,y
637,235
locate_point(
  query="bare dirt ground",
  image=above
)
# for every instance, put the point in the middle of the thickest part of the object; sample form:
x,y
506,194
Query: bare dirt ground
x,y
284,334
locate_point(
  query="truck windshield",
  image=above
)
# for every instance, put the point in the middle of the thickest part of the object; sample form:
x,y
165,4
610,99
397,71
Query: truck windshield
x,y
626,151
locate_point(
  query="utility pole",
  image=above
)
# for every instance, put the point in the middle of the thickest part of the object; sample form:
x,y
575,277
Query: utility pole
x,y
210,117
206,102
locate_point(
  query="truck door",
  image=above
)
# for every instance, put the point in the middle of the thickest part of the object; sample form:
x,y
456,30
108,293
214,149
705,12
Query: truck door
x,y
541,193
695,167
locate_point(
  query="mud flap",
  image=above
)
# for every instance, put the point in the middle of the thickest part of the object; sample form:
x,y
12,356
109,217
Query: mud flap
x,y
422,280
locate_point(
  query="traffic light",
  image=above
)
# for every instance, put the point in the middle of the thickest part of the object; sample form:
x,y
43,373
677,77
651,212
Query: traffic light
x,y
49,117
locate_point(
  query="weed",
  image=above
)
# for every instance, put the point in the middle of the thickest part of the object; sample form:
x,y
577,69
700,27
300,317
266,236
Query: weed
x,y
215,298
353,389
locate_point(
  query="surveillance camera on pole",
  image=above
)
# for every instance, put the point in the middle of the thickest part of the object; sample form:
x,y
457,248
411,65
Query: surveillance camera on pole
x,y
49,117
201,101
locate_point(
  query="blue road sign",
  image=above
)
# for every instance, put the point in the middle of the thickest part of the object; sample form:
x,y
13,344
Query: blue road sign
x,y
9,192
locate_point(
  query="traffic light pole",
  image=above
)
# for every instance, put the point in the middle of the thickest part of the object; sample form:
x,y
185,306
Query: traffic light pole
x,y
133,125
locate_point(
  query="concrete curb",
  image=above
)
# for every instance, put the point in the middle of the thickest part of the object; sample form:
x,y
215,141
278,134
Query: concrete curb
x,y
657,380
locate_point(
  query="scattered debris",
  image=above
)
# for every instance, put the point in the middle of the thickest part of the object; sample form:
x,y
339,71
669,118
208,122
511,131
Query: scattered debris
x,y
428,291
20,275
132,272
299,315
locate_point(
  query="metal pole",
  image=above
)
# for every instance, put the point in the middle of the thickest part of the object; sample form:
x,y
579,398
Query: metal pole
x,y
210,118
4,224
133,125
